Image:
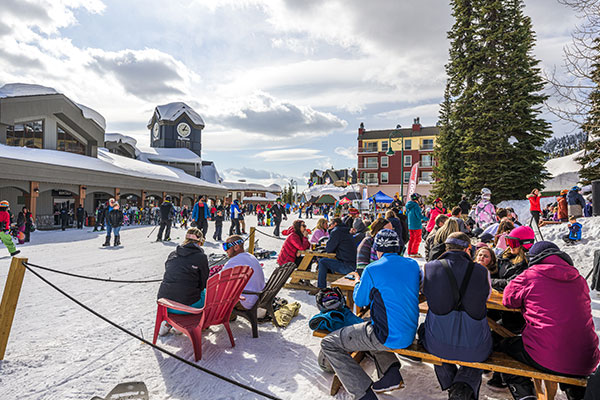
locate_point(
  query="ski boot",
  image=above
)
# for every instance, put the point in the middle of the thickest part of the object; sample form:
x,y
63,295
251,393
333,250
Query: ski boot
x,y
117,240
107,241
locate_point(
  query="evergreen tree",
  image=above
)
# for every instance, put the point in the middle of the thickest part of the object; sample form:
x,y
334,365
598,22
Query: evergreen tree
x,y
495,101
591,159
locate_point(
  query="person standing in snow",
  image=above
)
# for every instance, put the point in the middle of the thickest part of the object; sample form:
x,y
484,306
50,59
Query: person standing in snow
x,y
563,210
201,214
166,217
5,227
100,213
485,212
218,224
115,220
575,202
278,212
437,210
534,205
415,225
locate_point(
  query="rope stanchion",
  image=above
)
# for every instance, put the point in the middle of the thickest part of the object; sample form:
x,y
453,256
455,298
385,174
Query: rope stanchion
x,y
271,236
92,278
102,317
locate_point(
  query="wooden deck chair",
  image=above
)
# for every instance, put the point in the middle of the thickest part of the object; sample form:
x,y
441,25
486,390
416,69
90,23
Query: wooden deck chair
x,y
266,296
222,294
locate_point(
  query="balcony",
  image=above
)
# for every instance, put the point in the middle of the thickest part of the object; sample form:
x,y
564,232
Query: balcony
x,y
370,181
426,147
368,166
363,150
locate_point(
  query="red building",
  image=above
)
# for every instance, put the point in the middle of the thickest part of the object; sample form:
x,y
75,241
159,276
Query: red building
x,y
383,170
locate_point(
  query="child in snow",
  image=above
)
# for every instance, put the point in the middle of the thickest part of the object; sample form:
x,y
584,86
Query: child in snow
x,y
574,231
5,227
218,225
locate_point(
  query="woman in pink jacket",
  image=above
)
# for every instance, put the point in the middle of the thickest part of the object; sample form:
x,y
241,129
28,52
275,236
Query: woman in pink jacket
x,y
559,335
437,210
297,240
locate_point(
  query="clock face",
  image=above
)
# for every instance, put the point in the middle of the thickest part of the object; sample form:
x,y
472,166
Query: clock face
x,y
184,129
155,130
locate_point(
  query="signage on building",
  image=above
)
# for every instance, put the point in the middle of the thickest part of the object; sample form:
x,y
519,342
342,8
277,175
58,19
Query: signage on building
x,y
61,193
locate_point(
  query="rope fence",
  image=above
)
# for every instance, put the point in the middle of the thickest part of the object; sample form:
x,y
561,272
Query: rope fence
x,y
162,350
266,234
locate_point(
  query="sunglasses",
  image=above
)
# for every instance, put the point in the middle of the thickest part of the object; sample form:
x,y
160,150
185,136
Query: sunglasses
x,y
227,246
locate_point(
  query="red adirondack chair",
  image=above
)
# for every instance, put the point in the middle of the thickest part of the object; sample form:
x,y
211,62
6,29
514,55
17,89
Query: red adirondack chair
x,y
222,294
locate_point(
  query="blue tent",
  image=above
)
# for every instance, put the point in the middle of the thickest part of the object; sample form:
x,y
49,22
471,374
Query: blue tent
x,y
381,197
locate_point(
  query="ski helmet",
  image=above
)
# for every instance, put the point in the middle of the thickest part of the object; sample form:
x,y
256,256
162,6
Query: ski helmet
x,y
486,191
4,203
330,299
415,196
524,235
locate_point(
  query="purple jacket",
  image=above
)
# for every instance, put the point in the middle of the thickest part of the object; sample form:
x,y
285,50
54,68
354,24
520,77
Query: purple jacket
x,y
555,301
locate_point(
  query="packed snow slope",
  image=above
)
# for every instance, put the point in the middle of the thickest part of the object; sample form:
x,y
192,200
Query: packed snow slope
x,y
57,350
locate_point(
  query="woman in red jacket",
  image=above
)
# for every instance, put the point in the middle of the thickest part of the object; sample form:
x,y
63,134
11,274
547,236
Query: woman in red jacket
x,y
534,205
296,241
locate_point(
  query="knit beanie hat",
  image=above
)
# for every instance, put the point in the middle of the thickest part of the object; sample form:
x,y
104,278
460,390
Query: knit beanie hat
x,y
386,241
541,246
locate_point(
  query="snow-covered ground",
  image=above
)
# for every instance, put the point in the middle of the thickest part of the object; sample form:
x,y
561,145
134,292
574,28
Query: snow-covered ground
x,y
59,351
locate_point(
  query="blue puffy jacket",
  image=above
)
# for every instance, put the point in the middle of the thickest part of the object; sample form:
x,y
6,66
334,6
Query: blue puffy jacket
x,y
575,231
200,215
390,286
574,197
415,216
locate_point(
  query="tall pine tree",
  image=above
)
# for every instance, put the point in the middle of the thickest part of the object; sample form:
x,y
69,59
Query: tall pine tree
x,y
591,158
495,101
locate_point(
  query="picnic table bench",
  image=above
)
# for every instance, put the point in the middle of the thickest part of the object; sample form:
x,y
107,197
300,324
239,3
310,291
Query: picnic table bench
x,y
546,384
303,273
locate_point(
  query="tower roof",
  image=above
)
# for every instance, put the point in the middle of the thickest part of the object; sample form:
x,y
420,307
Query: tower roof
x,y
170,113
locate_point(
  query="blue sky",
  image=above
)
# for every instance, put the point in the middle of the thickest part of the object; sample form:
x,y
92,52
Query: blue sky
x,y
282,85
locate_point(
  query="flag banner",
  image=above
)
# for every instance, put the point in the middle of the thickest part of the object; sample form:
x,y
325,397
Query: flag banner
x,y
412,183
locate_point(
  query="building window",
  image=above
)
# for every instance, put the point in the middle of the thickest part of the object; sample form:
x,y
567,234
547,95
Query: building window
x,y
427,176
384,177
385,162
384,145
370,178
185,144
426,160
30,134
427,144
238,195
229,194
370,162
406,176
67,142
408,161
407,144
370,147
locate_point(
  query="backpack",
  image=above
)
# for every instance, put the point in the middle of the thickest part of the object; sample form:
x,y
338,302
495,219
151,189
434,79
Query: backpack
x,y
330,299
437,251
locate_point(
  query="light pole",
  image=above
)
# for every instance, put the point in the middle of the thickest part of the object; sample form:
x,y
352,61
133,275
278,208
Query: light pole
x,y
391,152
295,184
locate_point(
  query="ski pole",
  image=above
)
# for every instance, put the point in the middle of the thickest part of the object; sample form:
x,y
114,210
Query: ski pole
x,y
155,226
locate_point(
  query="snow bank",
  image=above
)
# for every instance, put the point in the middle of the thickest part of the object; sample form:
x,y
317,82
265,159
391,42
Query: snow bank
x,y
335,191
564,172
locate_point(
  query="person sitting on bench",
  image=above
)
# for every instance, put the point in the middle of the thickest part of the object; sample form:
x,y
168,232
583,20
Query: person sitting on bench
x,y
342,244
390,287
559,335
457,289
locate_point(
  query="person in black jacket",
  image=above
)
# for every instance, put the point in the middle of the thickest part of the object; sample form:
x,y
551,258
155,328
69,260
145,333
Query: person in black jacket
x,y
166,217
278,212
342,244
391,216
80,214
465,206
100,214
115,219
186,274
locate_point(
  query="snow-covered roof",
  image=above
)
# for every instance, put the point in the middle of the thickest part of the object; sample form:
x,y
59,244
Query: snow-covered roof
x,y
120,138
181,155
335,191
251,186
26,89
170,112
106,162
210,173
564,171
268,197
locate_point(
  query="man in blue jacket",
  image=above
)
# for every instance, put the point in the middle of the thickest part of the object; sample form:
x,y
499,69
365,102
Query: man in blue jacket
x,y
575,202
341,242
456,327
390,287
200,214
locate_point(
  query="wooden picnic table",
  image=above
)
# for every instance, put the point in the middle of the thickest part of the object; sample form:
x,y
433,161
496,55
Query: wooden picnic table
x,y
302,271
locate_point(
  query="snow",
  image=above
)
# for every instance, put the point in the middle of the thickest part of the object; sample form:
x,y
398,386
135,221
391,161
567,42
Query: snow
x,y
521,207
106,162
170,112
210,173
564,172
120,138
26,89
251,186
57,350
182,155
268,197
335,191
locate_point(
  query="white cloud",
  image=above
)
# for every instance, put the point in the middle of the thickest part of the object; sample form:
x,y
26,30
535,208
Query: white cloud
x,y
293,155
348,152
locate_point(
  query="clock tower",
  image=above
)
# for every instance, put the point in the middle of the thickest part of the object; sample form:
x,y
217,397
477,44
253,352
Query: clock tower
x,y
176,125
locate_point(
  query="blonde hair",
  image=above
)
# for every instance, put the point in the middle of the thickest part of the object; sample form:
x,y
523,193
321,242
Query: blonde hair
x,y
321,223
195,232
518,258
390,214
450,226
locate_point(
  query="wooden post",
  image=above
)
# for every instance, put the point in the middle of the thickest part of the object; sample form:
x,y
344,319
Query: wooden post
x,y
10,297
31,198
251,240
117,194
164,196
142,199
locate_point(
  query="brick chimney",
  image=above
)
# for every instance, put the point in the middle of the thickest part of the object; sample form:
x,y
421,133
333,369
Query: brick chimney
x,y
416,126
361,129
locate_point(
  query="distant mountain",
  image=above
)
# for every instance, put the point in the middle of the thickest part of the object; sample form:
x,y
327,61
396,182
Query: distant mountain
x,y
565,145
